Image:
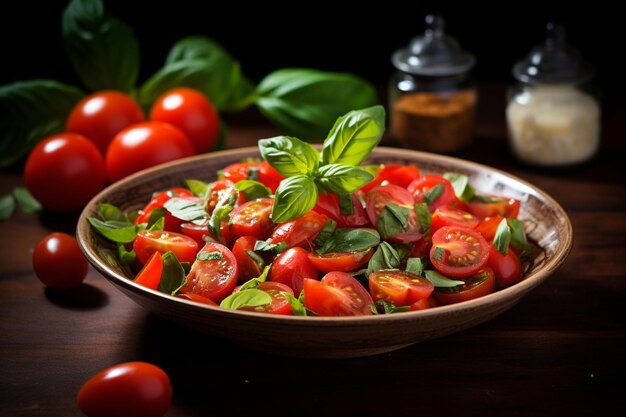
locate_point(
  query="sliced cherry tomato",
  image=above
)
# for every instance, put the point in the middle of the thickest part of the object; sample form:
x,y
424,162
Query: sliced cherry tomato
x,y
401,175
58,262
301,231
493,205
248,266
221,192
337,294
428,182
458,251
239,171
150,274
279,305
198,299
507,268
253,219
488,227
401,288
380,197
213,278
424,304
171,223
340,261
328,204
147,242
479,284
131,389
291,268
446,216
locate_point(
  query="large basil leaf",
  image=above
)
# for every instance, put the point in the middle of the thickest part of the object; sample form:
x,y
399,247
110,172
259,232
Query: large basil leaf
x,y
30,111
173,275
247,298
385,257
342,179
304,102
350,240
103,50
354,136
289,156
294,197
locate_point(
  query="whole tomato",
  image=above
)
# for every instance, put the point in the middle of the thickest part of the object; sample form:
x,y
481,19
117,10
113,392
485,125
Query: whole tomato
x,y
58,262
190,111
101,115
64,172
144,145
131,389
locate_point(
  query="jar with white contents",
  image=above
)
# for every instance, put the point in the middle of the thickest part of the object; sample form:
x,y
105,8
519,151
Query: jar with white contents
x,y
552,115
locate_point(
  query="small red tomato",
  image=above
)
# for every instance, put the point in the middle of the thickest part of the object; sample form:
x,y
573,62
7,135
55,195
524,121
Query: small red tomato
x,y
191,112
64,171
131,389
101,115
59,262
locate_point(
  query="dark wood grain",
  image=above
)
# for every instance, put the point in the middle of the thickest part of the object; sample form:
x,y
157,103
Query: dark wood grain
x,y
560,351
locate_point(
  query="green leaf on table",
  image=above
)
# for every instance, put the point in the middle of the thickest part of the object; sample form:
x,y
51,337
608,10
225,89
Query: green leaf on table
x,y
115,231
502,238
247,298
342,179
289,156
253,189
30,111
103,50
518,235
441,281
350,240
415,266
7,206
26,201
462,188
393,220
173,275
294,197
305,102
385,257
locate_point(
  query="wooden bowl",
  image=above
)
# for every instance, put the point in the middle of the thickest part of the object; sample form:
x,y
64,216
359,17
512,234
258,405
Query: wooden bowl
x,y
546,223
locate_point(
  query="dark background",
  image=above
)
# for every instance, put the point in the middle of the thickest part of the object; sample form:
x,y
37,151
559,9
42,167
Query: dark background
x,y
358,39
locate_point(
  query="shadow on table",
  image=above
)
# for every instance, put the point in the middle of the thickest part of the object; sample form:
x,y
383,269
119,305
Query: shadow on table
x,y
84,297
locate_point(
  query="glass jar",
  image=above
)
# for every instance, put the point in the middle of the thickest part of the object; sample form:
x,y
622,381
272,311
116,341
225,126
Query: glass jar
x,y
432,96
553,116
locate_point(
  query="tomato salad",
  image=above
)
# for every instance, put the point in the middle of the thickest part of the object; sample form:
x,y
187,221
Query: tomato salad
x,y
304,232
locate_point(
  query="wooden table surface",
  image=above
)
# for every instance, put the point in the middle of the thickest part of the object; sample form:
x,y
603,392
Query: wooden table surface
x,y
560,351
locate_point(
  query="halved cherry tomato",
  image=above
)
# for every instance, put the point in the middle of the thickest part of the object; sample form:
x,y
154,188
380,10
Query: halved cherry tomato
x,y
279,305
328,204
428,182
488,227
238,171
253,219
248,266
197,298
147,242
221,192
213,278
493,205
264,173
507,268
200,233
447,216
337,294
479,284
340,261
380,197
401,175
171,223
150,274
291,268
458,251
401,288
301,231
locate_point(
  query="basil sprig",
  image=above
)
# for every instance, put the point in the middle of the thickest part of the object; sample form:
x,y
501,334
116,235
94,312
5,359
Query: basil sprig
x,y
308,172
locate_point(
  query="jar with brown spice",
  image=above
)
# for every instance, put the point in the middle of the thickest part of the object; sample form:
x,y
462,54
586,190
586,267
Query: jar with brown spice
x,y
432,97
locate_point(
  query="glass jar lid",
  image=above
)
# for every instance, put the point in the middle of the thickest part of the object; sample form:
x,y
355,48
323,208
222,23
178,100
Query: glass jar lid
x,y
554,61
434,53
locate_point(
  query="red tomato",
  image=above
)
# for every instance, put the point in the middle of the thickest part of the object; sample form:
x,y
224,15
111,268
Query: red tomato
x,y
340,261
238,171
147,242
253,219
426,183
248,267
269,176
150,274
337,294
479,284
401,175
143,145
191,112
377,200
200,233
58,262
131,389
64,171
424,304
493,205
507,268
291,268
171,223
279,305
198,299
446,216
328,204
488,227
101,115
215,278
301,231
421,248
401,288
458,251
221,192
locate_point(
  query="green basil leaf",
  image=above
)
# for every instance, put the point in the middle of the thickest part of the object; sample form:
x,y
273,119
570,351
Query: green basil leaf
x,y
486,199
209,256
294,197
304,102
341,179
30,111
354,136
518,235
246,298
350,240
433,194
255,257
173,275
255,282
253,189
103,50
502,238
438,253
325,233
220,213
297,307
385,257
423,216
157,220
462,188
197,187
346,204
415,266
108,211
388,308
26,201
119,232
289,156
125,257
185,209
441,281
273,248
7,206
193,47
392,220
